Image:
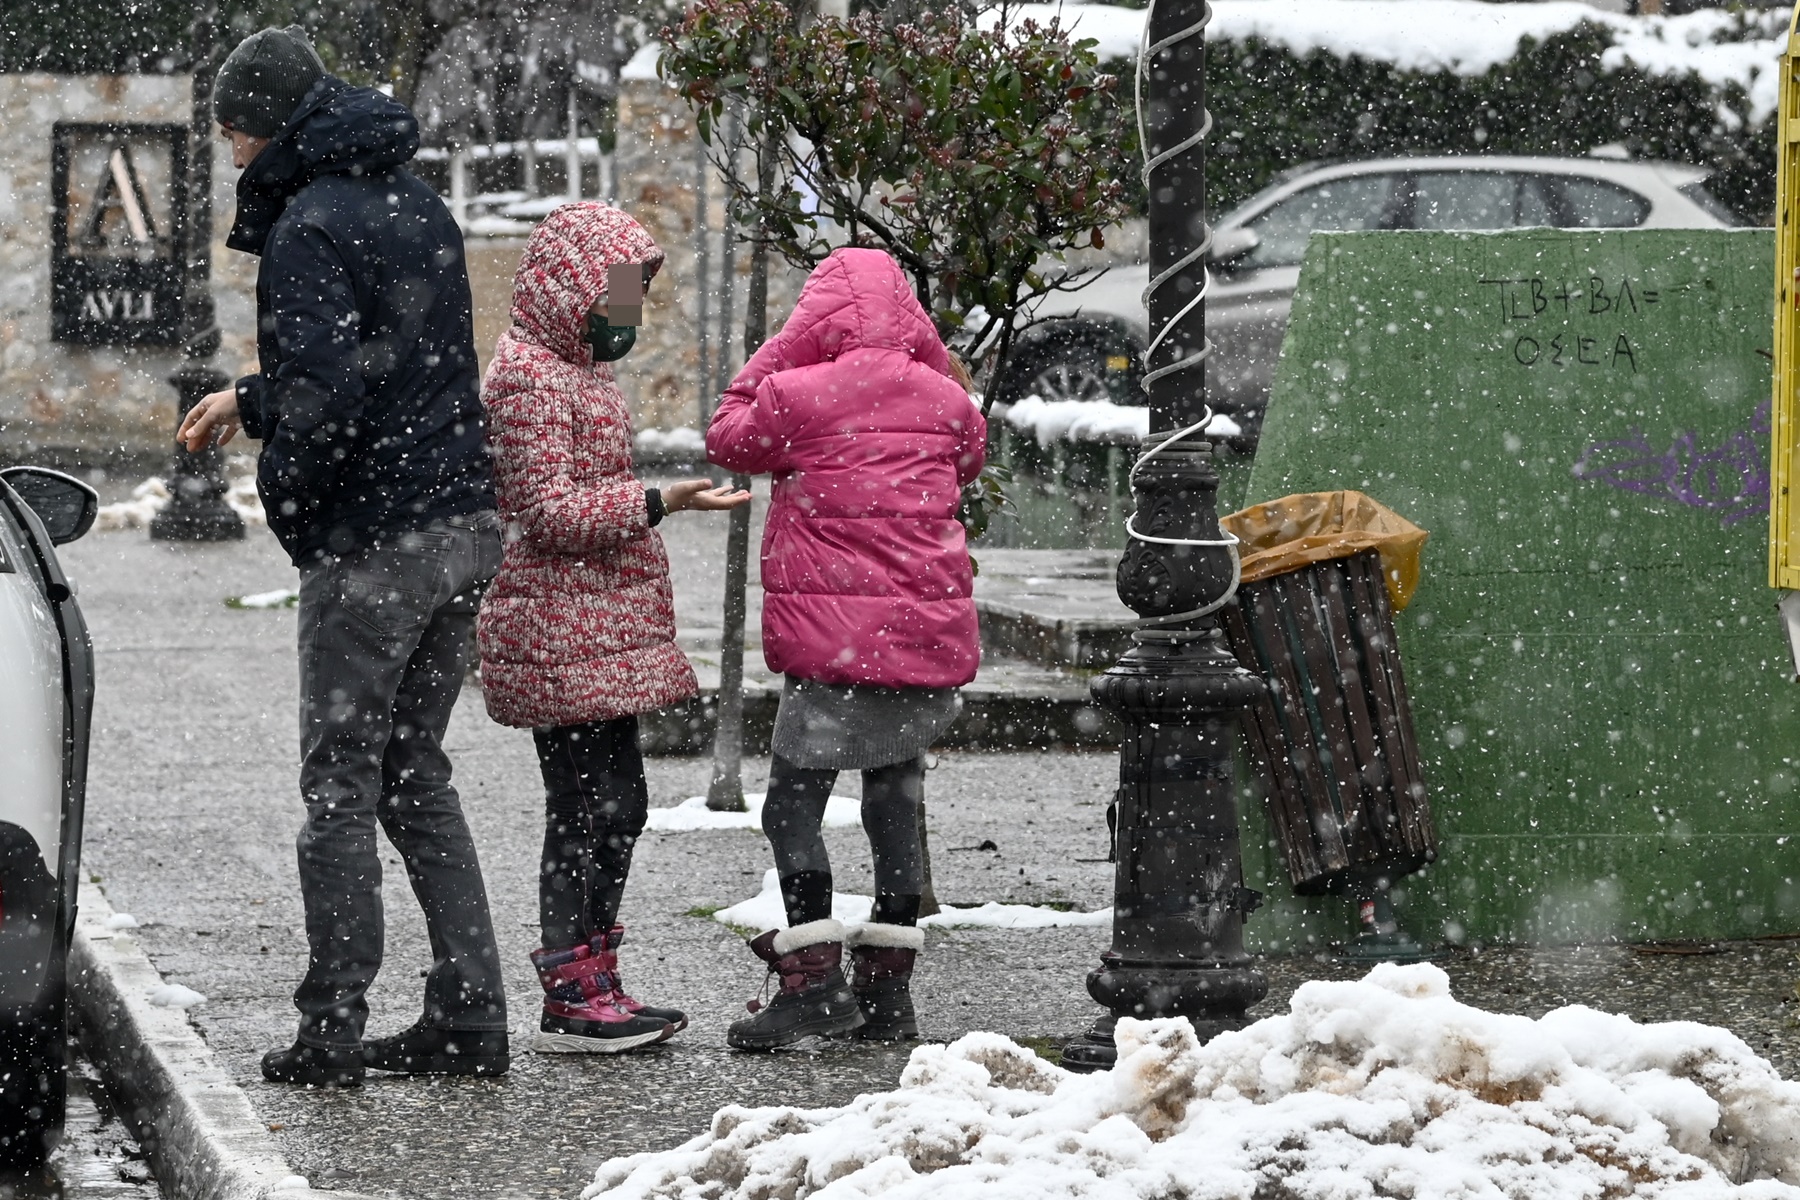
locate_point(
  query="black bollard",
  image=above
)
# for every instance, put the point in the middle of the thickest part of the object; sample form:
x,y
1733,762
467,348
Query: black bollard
x,y
197,511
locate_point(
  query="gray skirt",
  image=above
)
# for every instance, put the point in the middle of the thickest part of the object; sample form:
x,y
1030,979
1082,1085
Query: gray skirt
x,y
857,727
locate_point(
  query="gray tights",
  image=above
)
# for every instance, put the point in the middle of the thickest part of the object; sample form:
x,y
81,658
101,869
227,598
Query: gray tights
x,y
795,811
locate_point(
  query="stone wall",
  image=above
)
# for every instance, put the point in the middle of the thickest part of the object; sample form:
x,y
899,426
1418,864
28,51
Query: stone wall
x,y
100,405
105,406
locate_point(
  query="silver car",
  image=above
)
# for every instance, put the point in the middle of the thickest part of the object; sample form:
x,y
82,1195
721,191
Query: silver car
x,y
46,698
1088,344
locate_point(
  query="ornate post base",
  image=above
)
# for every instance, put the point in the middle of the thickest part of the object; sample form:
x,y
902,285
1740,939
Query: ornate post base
x,y
1179,898
196,511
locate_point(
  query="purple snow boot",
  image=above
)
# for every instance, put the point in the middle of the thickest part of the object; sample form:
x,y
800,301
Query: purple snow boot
x,y
814,1000
606,948
881,975
582,1013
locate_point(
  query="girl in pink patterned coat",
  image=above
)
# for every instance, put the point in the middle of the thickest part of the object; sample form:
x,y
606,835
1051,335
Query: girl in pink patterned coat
x,y
577,631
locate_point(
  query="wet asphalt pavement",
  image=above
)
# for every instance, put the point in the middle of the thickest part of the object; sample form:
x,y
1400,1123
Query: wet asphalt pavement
x,y
98,1158
193,811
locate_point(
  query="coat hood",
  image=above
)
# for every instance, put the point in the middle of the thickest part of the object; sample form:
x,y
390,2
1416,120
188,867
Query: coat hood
x,y
562,273
337,129
859,298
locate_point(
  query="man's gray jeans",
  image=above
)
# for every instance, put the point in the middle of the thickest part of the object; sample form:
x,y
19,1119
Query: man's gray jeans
x,y
385,636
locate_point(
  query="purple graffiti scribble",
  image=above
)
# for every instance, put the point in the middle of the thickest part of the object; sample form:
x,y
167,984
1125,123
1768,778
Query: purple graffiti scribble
x,y
1733,476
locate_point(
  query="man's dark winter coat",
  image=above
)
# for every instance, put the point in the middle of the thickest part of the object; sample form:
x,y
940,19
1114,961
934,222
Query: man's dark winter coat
x,y
368,404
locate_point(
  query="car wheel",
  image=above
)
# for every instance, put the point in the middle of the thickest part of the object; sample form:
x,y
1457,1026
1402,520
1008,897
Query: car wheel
x,y
33,1082
1072,361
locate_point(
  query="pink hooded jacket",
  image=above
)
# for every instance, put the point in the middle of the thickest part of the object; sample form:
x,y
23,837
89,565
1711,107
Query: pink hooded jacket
x,y
852,408
579,625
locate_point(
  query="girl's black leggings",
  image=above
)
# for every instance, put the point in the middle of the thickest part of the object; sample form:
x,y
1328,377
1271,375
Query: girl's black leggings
x,y
595,806
794,812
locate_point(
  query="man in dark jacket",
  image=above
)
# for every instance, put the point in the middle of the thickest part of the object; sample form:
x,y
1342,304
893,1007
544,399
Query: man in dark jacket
x,y
375,477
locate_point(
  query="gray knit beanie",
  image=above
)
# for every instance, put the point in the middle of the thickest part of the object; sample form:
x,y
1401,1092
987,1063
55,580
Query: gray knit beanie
x,y
261,83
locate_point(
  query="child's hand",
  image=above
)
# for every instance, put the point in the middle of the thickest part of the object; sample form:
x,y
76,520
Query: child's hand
x,y
701,494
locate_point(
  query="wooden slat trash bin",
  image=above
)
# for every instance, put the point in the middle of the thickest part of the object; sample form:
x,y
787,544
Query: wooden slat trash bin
x,y
1333,741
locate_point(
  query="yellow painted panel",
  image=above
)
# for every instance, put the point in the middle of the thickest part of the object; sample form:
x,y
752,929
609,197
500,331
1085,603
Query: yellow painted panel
x,y
1784,415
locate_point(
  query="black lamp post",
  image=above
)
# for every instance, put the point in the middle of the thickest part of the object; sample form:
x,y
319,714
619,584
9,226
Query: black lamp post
x,y
197,511
1179,900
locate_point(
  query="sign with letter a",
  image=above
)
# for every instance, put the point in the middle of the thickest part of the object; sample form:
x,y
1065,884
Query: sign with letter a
x,y
119,233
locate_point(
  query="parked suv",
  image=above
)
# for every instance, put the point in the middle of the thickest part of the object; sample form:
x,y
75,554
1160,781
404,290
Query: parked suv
x,y
1088,344
46,698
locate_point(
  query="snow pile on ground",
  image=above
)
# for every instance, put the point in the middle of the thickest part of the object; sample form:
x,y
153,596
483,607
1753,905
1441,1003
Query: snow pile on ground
x,y
174,995
692,814
279,598
765,911
1093,421
1466,37
671,441
1381,1087
148,498
121,920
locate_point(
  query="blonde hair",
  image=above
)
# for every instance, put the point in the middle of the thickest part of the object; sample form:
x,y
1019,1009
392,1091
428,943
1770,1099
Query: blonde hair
x,y
959,371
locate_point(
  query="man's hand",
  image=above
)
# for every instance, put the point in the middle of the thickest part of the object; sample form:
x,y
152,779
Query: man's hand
x,y
700,494
215,414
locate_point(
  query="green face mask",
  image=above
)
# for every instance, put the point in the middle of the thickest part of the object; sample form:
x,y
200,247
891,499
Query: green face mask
x,y
610,342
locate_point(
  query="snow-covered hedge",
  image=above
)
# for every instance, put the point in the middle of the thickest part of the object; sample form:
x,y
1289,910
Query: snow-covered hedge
x,y
1316,79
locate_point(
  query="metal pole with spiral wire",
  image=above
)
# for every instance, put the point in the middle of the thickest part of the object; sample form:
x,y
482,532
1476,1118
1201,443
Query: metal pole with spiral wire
x,y
1179,900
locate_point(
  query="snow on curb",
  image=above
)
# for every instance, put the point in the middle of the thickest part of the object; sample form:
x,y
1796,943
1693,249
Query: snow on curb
x,y
1384,1086
205,1141
765,911
692,814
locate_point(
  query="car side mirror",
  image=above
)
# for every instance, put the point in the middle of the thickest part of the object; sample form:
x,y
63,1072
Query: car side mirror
x,y
1231,246
64,504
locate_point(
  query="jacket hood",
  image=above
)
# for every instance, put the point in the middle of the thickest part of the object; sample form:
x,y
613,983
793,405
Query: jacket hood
x,y
562,273
859,298
337,129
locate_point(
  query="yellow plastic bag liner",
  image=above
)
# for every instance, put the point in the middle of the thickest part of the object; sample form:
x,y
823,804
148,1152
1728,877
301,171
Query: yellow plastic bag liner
x,y
1287,534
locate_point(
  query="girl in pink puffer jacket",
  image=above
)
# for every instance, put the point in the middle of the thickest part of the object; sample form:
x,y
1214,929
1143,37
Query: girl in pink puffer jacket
x,y
577,631
868,612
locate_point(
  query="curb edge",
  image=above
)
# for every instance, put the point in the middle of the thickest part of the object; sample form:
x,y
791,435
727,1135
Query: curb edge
x,y
204,1140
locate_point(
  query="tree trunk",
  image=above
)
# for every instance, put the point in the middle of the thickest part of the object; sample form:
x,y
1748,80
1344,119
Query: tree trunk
x,y
412,41
703,275
726,792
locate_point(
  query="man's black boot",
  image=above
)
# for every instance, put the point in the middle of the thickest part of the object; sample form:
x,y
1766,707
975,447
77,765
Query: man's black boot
x,y
313,1067
429,1050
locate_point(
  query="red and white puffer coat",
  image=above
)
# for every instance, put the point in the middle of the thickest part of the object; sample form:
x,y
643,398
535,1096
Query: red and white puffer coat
x,y
579,625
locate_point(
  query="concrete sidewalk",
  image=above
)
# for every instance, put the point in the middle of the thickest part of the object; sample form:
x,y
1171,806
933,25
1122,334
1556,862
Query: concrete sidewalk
x,y
193,811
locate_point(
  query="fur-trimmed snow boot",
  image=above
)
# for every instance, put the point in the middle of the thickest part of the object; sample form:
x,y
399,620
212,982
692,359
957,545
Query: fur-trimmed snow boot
x,y
582,1013
814,999
606,948
882,958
